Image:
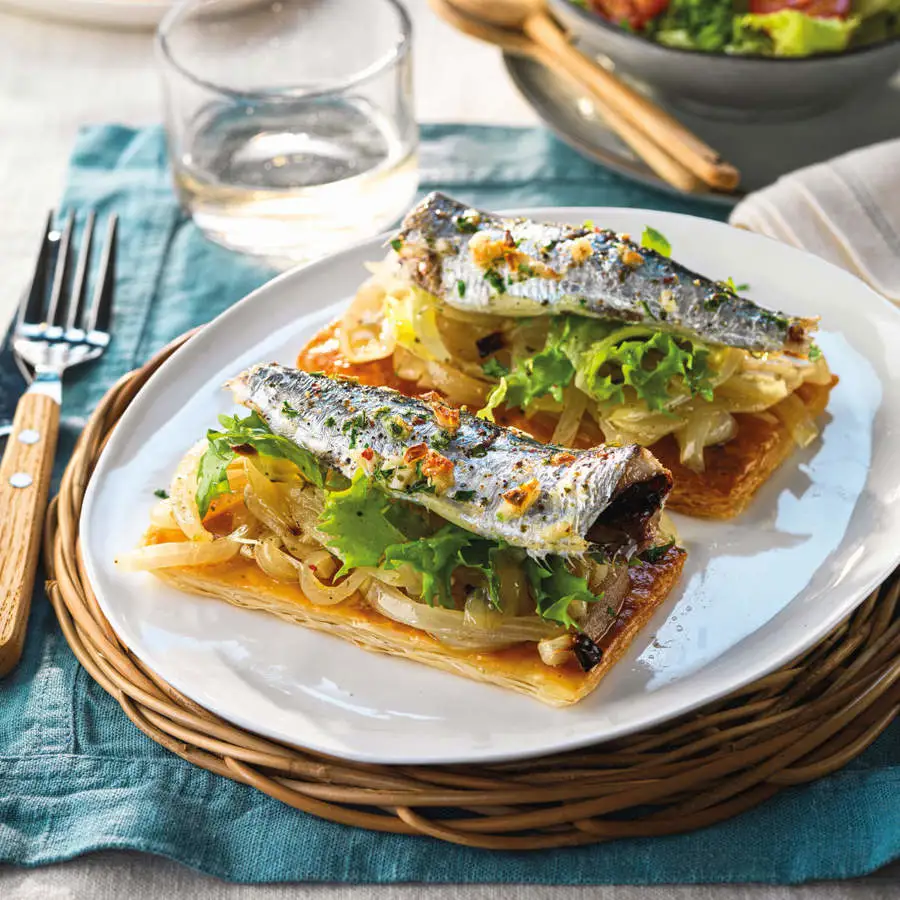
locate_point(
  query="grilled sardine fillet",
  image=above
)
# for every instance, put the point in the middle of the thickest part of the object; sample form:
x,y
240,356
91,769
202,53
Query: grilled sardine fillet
x,y
481,262
495,482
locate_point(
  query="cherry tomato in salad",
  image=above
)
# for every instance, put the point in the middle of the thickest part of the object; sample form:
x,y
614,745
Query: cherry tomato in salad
x,y
820,9
637,13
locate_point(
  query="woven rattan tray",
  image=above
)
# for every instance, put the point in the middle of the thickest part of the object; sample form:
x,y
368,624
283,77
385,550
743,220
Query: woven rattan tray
x,y
799,723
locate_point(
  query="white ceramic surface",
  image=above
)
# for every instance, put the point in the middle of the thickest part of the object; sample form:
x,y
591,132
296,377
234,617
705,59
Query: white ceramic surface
x,y
143,14
820,535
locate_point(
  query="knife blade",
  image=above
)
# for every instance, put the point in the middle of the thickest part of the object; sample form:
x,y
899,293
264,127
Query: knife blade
x,y
12,382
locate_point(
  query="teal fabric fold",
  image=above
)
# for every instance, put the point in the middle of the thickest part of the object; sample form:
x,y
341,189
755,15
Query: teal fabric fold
x,y
77,776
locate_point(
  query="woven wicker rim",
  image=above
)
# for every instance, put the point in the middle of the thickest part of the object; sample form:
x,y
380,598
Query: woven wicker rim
x,y
797,724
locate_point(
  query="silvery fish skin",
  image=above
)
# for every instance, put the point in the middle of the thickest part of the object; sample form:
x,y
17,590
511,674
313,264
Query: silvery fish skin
x,y
481,262
505,485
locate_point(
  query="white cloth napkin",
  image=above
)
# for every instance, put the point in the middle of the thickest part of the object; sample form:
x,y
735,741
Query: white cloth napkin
x,y
846,210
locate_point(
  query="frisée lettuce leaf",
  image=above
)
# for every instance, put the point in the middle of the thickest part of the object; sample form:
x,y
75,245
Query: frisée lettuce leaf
x,y
555,589
247,436
359,523
603,358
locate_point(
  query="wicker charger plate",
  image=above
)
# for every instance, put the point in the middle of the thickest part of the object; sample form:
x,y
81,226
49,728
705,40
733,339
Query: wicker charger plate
x,y
797,724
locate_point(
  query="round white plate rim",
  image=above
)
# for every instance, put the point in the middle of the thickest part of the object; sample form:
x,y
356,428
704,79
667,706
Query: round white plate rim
x,y
195,345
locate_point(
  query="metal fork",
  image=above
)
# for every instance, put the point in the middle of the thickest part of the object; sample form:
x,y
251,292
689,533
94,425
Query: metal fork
x,y
51,336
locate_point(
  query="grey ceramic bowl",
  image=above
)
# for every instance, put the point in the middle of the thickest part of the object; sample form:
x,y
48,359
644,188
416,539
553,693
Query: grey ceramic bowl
x,y
727,84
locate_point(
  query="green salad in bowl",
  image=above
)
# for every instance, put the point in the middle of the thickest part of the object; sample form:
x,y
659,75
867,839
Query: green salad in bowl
x,y
774,28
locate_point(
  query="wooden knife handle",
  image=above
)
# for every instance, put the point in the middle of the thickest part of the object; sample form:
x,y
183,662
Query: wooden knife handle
x,y
24,485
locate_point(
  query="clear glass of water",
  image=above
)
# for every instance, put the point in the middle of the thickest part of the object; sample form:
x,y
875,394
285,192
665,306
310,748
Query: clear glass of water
x,y
290,122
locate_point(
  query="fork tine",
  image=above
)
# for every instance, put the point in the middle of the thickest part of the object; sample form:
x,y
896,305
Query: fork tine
x,y
101,306
31,307
60,273
79,283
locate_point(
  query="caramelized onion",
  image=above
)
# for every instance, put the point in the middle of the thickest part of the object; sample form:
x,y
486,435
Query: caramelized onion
x,y
161,516
321,594
793,412
569,422
365,334
449,626
458,387
275,562
183,494
703,429
182,553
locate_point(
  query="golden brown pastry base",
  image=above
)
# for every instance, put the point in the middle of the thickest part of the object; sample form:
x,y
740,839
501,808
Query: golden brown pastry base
x,y
735,471
241,583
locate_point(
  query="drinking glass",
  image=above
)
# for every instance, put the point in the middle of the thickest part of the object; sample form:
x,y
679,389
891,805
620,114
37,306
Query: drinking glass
x,y
290,123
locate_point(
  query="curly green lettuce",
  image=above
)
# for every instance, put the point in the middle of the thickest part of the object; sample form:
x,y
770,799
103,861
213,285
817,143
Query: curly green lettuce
x,y
361,523
603,358
367,528
245,436
555,589
794,33
435,558
651,362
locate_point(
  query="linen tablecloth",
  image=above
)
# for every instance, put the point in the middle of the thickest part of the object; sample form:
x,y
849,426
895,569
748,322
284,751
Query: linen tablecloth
x,y
77,776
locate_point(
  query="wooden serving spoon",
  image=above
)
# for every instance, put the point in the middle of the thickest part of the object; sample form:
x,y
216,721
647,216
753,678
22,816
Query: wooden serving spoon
x,y
525,27
657,158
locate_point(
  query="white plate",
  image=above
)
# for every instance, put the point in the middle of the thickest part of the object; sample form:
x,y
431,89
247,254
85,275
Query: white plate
x,y
143,14
821,534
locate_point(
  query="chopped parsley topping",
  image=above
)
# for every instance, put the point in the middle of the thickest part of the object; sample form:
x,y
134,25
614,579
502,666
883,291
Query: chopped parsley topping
x,y
525,271
654,240
354,426
396,428
329,422
734,288
161,493
815,352
421,485
466,224
396,244
461,288
288,411
464,496
495,280
493,368
655,554
440,440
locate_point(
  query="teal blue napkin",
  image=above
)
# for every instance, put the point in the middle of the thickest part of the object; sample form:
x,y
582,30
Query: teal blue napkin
x,y
76,776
